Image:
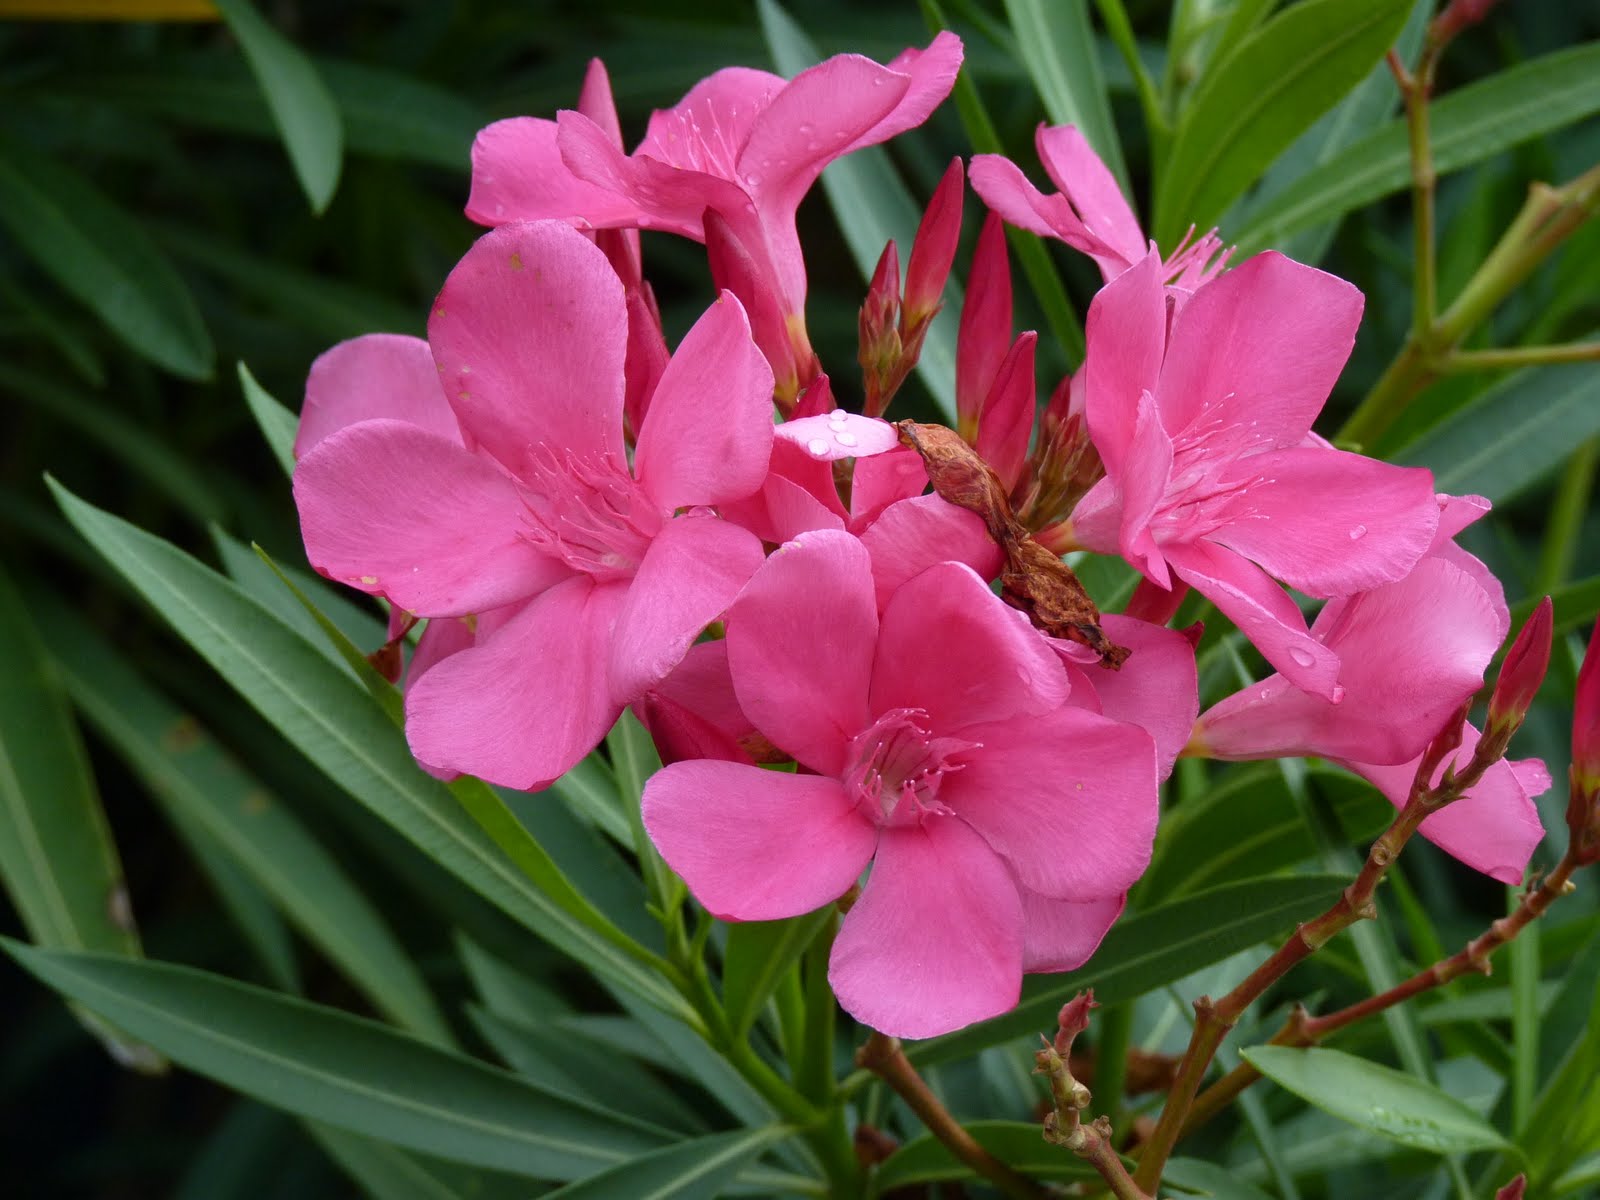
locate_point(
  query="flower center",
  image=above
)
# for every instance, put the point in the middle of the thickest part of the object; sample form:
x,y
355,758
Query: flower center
x,y
896,765
587,512
704,136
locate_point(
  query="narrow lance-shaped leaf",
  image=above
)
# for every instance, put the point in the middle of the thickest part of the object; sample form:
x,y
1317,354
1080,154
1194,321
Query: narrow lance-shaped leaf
x,y
277,423
104,258
326,1065
57,859
336,724
1378,1098
301,105
200,784
1263,95
701,1167
757,955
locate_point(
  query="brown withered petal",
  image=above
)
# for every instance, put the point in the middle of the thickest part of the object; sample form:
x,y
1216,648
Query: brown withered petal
x,y
1035,580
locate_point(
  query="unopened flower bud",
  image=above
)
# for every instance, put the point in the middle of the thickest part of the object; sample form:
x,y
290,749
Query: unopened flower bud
x,y
1583,811
747,272
933,252
985,334
1520,676
879,326
1458,15
1072,1020
1513,1190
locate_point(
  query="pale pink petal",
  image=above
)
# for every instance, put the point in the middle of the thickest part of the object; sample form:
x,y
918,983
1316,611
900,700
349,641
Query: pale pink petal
x,y
690,574
1126,336
1077,170
950,647
657,195
1059,935
828,438
518,175
800,641
529,334
757,845
522,706
708,127
1494,828
394,510
935,940
708,435
1328,522
377,376
1068,799
882,480
912,535
1258,348
1456,513
933,71
1156,689
1262,610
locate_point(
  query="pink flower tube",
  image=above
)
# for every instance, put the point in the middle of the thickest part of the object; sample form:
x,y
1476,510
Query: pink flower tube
x,y
938,743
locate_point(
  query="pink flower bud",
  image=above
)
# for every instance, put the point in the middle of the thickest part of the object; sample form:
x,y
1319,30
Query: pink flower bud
x,y
1583,814
1073,1020
1513,1190
1007,419
934,250
1521,674
881,351
1458,15
985,334
743,270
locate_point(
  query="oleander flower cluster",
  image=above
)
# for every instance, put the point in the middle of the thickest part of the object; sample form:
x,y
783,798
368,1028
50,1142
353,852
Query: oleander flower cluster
x,y
871,676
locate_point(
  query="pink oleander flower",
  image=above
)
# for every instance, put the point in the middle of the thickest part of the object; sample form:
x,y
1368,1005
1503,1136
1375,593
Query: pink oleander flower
x,y
1413,652
1212,473
1089,213
939,743
516,499
745,144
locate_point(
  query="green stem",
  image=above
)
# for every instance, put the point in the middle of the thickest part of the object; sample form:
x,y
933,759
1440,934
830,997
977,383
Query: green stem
x,y
1524,1024
1510,357
1111,1060
815,1073
1155,116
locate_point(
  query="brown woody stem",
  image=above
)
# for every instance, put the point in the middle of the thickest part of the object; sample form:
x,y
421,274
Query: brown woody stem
x,y
883,1057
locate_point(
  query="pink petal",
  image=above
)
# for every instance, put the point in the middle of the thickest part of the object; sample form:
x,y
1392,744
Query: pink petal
x,y
1411,652
1068,799
933,71
840,435
1329,523
1494,828
1143,479
522,706
1126,336
800,641
518,175
935,940
950,647
882,480
781,511
397,511
1260,346
1059,935
653,194
1008,413
708,435
596,102
757,845
529,334
380,375
1156,689
694,713
712,121
692,571
442,637
1077,170
1262,610
912,535
1004,188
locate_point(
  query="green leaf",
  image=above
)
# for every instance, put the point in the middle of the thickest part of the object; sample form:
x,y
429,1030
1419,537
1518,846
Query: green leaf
x,y
1058,48
1386,1101
301,105
104,258
1208,1179
386,1172
1254,103
757,955
1018,1144
1466,126
872,207
277,424
1150,950
702,1167
1513,434
336,724
326,1065
199,784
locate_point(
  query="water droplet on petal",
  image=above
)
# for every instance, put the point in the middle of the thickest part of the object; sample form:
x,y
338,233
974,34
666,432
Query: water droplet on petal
x,y
1266,693
1357,532
1302,656
845,439
817,446
838,417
